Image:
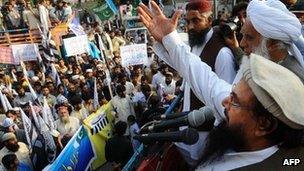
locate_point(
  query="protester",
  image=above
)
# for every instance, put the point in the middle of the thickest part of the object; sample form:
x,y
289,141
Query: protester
x,y
11,162
12,146
66,125
119,149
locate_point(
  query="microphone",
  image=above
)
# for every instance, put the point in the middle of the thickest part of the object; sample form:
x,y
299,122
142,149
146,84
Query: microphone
x,y
170,116
188,136
194,119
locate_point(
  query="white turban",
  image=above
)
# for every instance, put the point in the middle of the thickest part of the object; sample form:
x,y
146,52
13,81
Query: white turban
x,y
273,20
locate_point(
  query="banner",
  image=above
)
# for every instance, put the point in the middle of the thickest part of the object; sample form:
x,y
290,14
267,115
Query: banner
x,y
6,55
26,52
133,55
77,155
76,45
99,126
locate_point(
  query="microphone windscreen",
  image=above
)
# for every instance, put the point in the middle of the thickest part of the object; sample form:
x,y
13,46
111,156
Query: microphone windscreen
x,y
190,136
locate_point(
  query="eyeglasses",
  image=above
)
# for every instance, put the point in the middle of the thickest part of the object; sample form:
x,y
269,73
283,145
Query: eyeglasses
x,y
237,105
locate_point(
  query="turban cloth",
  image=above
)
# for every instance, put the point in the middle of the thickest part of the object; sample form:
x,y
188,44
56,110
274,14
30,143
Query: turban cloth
x,y
273,20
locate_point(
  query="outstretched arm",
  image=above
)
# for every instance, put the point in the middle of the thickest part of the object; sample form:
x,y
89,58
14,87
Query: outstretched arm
x,y
205,83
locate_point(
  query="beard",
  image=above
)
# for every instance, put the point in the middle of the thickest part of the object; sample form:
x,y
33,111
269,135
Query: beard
x,y
13,147
221,139
262,49
65,119
197,38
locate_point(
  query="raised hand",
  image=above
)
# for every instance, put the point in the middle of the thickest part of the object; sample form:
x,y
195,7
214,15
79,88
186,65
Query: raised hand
x,y
156,22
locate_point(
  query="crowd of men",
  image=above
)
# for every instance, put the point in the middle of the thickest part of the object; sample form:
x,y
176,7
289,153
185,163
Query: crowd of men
x,y
24,14
257,103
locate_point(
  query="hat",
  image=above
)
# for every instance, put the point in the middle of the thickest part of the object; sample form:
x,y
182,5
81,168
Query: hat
x,y
200,5
35,78
89,70
279,90
8,136
169,74
75,77
7,122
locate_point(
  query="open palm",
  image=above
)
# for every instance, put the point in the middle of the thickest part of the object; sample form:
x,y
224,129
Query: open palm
x,y
156,22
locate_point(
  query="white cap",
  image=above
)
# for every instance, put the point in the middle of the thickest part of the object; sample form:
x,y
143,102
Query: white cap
x,y
7,122
75,77
35,78
89,70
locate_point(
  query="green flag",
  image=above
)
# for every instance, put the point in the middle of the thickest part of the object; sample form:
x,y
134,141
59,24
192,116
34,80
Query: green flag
x,y
103,11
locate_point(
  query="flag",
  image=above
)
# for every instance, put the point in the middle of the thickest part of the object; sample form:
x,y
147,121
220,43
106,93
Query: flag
x,y
104,10
50,50
55,74
34,94
95,100
76,27
3,102
47,114
34,115
8,104
108,79
30,130
99,129
78,154
48,139
14,77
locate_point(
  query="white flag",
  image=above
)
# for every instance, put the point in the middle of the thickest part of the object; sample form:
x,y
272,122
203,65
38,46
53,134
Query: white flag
x,y
35,116
30,130
47,114
95,101
48,139
3,102
55,74
14,77
8,104
26,78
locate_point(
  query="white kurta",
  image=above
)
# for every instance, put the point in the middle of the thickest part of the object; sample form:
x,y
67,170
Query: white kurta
x,y
224,67
210,89
44,18
124,107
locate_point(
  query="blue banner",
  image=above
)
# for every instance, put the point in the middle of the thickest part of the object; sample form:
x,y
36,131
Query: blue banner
x,y
77,155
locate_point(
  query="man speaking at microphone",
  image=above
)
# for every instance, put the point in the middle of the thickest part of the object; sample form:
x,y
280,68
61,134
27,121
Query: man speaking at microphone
x,y
264,118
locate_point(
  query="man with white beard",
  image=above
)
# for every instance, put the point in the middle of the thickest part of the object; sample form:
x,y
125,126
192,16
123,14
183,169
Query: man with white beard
x,y
66,125
262,22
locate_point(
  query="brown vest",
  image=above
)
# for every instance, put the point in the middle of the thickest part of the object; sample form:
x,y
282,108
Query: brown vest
x,y
276,161
208,55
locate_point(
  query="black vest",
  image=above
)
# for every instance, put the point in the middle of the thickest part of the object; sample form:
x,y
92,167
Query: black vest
x,y
208,55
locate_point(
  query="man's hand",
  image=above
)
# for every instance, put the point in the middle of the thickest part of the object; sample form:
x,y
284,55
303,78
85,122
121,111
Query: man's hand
x,y
156,22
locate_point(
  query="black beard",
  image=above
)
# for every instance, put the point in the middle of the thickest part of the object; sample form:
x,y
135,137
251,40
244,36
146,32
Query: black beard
x,y
197,38
221,139
13,147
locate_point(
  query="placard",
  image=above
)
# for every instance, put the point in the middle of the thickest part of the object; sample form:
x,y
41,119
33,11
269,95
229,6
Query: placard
x,y
6,55
26,52
76,45
133,54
